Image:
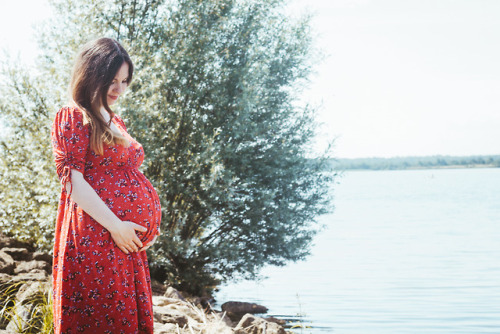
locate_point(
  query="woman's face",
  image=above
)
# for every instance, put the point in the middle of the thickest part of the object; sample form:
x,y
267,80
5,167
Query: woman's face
x,y
119,84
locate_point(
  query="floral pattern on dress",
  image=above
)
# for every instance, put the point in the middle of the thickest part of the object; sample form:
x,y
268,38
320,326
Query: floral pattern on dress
x,y
96,287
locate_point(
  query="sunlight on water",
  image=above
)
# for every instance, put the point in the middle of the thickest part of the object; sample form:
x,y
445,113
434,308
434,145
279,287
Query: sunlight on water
x,y
404,252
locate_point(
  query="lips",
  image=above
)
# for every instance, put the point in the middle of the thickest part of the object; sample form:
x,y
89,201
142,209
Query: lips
x,y
113,97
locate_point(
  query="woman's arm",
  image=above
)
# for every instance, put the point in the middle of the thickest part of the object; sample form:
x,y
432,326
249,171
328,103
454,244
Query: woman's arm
x,y
122,232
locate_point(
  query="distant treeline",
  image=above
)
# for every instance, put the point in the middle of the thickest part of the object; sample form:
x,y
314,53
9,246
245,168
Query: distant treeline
x,y
437,161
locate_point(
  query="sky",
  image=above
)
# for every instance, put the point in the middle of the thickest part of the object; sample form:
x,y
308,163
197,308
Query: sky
x,y
399,78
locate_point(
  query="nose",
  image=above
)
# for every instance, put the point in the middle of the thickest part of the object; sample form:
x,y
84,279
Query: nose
x,y
119,88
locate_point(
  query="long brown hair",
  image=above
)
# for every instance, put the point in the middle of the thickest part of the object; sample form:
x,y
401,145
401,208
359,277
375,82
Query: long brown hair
x,y
95,68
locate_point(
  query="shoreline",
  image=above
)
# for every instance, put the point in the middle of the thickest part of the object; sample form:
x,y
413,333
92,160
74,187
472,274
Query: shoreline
x,y
418,168
25,301
416,162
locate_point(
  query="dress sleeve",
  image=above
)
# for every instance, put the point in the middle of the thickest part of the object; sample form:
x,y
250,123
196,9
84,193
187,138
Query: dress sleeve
x,y
70,143
121,122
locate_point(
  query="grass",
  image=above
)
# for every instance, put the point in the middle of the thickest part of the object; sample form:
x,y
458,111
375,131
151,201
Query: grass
x,y
34,314
200,321
30,316
208,323
299,324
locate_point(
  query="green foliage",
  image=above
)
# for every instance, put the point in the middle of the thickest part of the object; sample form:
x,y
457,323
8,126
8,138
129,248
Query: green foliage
x,y
214,103
28,190
226,146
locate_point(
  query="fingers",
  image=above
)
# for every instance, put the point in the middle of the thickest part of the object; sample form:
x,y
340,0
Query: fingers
x,y
129,247
139,227
152,242
146,247
134,245
123,249
149,244
128,241
137,242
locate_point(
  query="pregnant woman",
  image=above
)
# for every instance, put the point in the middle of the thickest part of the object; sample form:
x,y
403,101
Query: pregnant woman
x,y
109,213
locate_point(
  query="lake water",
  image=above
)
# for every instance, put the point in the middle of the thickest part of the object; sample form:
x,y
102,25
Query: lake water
x,y
404,252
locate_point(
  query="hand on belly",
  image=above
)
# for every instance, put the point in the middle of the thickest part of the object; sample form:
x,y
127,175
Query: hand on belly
x,y
149,244
148,236
124,236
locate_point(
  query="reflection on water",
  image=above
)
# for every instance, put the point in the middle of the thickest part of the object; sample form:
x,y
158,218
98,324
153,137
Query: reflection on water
x,y
404,252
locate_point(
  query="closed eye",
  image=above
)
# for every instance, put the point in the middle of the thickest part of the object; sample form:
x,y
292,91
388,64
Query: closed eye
x,y
124,81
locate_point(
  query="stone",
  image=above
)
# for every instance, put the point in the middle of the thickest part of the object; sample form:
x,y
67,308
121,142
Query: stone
x,y
173,293
236,310
7,263
18,323
251,324
165,328
25,292
39,256
164,314
242,307
190,311
164,301
10,242
4,278
178,319
224,318
18,254
26,267
34,275
158,288
280,322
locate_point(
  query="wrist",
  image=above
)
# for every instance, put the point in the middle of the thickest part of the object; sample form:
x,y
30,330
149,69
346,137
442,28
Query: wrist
x,y
113,225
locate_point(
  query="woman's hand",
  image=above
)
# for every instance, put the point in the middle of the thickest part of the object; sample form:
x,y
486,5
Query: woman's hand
x,y
124,236
122,232
149,244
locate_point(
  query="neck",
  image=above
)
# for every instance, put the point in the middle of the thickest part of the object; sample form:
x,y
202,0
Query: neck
x,y
106,115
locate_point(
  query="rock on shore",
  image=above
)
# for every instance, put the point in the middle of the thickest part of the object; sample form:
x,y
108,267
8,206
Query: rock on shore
x,y
25,275
30,273
174,314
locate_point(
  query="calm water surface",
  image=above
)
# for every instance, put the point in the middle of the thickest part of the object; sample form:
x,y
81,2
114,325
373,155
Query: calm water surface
x,y
404,252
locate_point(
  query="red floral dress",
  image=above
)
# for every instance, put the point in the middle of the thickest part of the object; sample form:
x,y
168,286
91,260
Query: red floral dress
x,y
97,287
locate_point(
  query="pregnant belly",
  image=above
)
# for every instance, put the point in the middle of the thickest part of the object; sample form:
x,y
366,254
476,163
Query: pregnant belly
x,y
132,198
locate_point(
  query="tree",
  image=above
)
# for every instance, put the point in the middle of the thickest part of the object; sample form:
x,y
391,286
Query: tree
x,y
214,103
28,190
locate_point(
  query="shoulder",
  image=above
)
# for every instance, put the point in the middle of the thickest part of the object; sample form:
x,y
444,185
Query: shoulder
x,y
69,112
120,120
70,118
